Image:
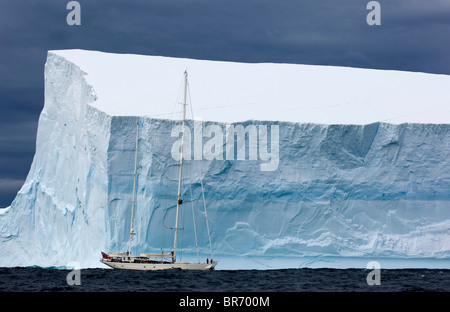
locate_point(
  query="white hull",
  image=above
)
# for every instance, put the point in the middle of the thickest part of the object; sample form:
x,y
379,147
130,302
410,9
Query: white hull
x,y
158,266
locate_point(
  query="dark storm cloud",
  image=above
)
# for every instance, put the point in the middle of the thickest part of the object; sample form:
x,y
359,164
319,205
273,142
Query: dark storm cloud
x,y
413,36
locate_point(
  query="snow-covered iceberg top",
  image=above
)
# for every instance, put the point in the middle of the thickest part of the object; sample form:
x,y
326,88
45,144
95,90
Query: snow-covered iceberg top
x,y
136,85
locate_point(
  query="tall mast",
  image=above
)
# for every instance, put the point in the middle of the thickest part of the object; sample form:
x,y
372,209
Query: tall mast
x,y
134,190
179,201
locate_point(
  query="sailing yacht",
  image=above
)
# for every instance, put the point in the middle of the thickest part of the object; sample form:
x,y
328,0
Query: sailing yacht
x,y
156,261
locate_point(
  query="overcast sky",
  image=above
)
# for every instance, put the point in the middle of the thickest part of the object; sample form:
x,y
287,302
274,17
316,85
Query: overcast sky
x,y
414,35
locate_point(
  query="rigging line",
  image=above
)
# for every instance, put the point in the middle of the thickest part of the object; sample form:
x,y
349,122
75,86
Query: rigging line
x,y
202,188
163,237
203,109
193,219
176,101
190,190
182,224
231,105
132,233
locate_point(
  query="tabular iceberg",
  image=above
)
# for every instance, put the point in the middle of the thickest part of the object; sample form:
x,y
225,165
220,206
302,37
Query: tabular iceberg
x,y
361,169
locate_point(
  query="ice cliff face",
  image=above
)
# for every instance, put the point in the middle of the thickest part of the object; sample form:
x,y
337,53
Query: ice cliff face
x,y
60,208
338,190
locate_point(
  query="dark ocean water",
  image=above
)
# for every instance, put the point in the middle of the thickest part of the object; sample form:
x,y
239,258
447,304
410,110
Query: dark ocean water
x,y
285,280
